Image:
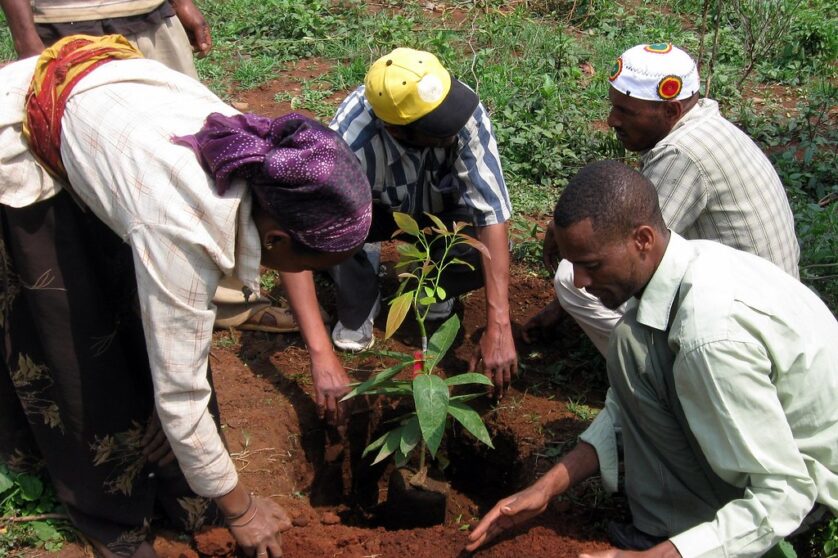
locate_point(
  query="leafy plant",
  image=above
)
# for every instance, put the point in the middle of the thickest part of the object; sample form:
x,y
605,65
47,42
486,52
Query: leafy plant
x,y
27,496
431,395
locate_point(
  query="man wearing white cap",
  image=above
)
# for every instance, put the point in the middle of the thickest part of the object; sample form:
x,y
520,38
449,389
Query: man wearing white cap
x,y
426,143
713,181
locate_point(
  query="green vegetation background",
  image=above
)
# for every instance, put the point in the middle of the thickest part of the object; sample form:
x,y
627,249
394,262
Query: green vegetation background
x,y
541,66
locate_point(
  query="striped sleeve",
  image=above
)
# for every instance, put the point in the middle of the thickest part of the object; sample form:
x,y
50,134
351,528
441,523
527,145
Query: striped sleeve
x,y
478,168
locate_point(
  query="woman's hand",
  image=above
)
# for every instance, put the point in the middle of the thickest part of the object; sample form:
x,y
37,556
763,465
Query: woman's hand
x,y
156,447
330,384
258,531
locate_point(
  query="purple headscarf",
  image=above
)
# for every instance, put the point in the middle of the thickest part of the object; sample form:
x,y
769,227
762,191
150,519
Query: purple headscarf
x,y
302,173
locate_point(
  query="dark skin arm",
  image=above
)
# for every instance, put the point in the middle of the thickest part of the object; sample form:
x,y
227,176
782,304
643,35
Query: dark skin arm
x,y
330,379
495,354
195,25
540,325
22,27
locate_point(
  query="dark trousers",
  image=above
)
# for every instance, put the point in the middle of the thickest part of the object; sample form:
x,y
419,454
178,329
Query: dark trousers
x,y
356,280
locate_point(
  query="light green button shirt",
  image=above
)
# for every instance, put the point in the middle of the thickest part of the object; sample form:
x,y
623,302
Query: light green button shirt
x,y
756,372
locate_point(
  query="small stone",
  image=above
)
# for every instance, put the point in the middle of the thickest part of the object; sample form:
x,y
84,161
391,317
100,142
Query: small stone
x,y
300,520
330,518
240,105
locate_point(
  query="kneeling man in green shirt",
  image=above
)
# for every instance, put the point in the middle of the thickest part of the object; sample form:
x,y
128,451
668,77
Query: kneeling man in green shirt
x,y
723,379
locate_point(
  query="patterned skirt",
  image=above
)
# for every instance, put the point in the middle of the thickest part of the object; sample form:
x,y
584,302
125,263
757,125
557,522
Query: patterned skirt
x,y
75,388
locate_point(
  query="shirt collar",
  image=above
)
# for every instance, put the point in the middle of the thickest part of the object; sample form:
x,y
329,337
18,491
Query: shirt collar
x,y
656,301
704,108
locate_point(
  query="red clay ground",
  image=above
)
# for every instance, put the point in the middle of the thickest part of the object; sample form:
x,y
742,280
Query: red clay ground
x,y
284,451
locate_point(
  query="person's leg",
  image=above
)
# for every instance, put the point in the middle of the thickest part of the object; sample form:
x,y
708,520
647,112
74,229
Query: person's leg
x,y
669,485
596,320
356,278
167,43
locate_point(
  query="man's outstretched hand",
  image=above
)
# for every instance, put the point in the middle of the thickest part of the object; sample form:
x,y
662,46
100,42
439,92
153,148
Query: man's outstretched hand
x,y
507,513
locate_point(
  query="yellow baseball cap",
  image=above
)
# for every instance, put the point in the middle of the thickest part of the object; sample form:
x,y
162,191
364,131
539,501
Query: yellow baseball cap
x,y
410,87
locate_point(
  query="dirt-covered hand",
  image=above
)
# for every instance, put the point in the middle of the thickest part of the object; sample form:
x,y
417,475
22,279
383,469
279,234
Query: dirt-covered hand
x,y
156,447
508,513
259,534
540,325
331,383
496,357
549,250
195,25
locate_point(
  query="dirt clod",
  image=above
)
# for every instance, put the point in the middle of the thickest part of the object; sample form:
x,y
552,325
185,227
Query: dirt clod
x,y
167,547
330,518
215,541
300,521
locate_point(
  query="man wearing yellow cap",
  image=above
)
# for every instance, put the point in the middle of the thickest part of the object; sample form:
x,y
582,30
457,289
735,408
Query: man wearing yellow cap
x,y
713,181
426,143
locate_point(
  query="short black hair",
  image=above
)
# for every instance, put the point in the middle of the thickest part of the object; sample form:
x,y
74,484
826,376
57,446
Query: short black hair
x,y
615,197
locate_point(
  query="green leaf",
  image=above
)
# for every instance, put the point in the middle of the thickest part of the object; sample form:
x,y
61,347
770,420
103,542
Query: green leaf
x,y
376,444
377,380
468,378
442,339
458,261
411,434
428,291
466,397
5,479
471,421
403,357
31,487
430,394
400,459
441,294
406,223
399,307
44,531
427,300
391,444
437,221
411,251
401,388
477,245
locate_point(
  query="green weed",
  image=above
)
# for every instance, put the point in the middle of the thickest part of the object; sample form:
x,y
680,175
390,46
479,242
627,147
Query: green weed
x,y
31,515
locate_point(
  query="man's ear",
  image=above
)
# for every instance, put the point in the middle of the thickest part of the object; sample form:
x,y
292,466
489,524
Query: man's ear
x,y
673,111
645,238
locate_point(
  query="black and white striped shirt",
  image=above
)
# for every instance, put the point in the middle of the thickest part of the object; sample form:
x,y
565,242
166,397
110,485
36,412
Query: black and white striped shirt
x,y
413,180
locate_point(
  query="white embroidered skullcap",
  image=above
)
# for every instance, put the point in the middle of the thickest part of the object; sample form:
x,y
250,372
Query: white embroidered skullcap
x,y
655,72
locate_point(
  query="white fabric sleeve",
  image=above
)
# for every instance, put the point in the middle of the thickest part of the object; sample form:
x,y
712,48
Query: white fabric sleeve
x,y
602,434
175,283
